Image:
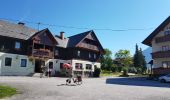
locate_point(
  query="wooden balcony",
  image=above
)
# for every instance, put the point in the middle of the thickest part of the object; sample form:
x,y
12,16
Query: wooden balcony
x,y
88,46
161,54
43,53
161,70
162,39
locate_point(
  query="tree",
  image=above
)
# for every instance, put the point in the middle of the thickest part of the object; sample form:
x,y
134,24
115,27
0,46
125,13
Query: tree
x,y
106,60
139,60
123,56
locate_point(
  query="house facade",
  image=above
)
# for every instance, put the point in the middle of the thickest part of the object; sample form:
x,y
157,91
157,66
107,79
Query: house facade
x,y
159,40
23,50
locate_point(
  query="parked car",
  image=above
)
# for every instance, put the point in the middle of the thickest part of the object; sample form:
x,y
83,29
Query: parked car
x,y
165,78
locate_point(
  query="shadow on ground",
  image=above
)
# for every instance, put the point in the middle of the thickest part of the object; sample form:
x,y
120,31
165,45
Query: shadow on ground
x,y
137,81
66,85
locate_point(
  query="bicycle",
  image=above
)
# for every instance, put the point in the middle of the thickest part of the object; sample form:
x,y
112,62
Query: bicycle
x,y
77,80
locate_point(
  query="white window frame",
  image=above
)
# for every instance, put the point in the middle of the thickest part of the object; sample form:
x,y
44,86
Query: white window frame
x,y
5,60
26,63
165,48
17,45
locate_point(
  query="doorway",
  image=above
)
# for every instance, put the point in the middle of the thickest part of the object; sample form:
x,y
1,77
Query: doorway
x,y
50,65
38,66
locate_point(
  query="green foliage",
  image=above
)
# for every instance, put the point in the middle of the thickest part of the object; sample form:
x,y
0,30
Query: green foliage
x,y
125,71
96,72
124,57
6,91
132,70
106,60
139,60
116,69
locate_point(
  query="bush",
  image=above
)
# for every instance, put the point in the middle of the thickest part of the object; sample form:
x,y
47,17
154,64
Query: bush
x,y
139,70
119,69
132,70
96,72
114,69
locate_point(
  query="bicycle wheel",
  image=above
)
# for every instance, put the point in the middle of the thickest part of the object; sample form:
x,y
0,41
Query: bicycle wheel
x,y
68,81
78,82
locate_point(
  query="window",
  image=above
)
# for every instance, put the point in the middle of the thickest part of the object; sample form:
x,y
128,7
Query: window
x,y
79,66
89,55
78,53
165,48
88,66
167,32
17,45
94,56
166,64
56,53
23,62
8,61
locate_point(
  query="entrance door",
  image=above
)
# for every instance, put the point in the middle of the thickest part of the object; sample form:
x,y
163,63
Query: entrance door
x,y
37,66
0,66
51,65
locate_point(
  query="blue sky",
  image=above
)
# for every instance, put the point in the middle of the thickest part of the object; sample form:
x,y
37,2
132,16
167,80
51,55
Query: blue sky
x,y
100,14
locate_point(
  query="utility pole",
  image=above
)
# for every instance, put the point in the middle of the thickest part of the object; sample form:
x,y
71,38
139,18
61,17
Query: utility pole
x,y
38,25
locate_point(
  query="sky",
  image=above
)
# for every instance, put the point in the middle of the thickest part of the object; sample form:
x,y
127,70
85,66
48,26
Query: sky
x,y
78,16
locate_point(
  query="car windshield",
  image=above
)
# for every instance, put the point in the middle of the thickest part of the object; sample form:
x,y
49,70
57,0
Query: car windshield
x,y
168,75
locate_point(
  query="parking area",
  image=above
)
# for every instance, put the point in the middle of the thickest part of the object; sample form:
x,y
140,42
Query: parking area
x,y
108,88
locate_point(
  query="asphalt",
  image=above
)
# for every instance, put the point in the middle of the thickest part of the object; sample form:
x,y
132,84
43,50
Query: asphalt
x,y
108,88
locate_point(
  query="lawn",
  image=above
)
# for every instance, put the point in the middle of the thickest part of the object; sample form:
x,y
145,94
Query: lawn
x,y
6,91
107,73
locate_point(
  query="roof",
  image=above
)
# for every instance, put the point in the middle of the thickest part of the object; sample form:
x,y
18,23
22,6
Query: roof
x,y
61,43
75,39
15,30
148,40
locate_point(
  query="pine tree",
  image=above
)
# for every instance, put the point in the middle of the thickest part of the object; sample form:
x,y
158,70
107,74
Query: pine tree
x,y
139,60
136,60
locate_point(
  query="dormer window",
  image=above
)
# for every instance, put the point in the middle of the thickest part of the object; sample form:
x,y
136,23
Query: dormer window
x,y
17,45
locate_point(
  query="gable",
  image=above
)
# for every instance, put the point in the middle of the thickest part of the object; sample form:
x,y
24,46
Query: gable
x,y
90,41
148,40
44,37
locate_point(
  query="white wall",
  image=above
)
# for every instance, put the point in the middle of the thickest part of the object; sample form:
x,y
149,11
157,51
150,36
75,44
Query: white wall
x,y
56,64
15,68
84,64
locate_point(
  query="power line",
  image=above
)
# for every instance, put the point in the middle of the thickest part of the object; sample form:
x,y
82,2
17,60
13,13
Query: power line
x,y
73,27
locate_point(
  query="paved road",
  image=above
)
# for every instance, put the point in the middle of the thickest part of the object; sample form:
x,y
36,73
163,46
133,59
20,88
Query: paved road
x,y
91,89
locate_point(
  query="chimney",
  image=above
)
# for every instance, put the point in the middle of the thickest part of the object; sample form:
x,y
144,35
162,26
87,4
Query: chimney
x,y
21,23
62,35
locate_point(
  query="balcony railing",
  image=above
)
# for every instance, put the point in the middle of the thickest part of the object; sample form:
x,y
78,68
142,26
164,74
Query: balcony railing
x,y
88,46
42,53
165,38
161,54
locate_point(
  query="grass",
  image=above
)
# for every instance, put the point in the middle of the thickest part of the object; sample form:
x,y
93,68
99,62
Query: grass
x,y
6,91
107,73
